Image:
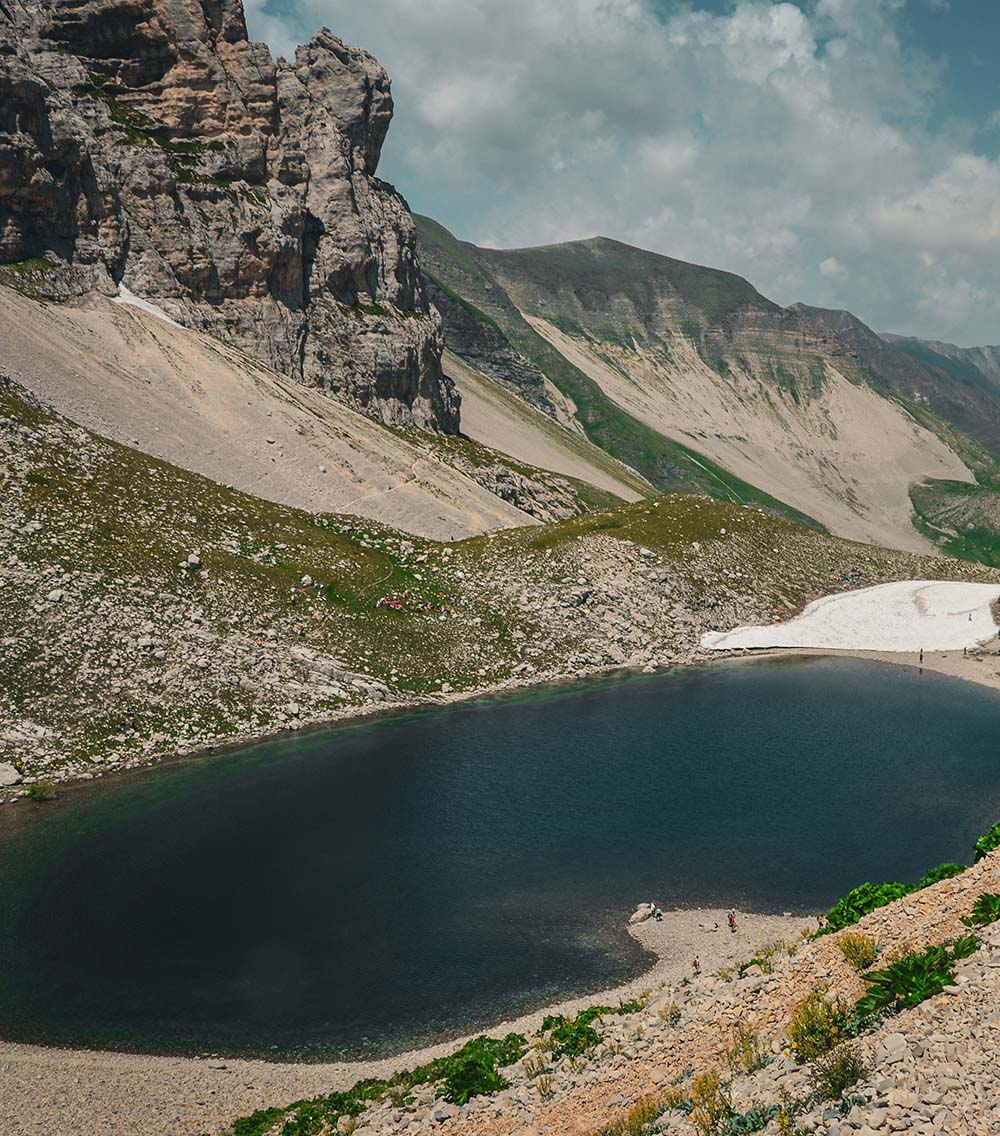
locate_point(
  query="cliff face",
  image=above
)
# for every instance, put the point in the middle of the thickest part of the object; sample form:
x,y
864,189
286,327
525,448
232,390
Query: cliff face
x,y
149,143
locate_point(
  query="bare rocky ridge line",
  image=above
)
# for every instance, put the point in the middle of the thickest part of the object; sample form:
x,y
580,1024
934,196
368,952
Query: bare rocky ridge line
x,y
153,145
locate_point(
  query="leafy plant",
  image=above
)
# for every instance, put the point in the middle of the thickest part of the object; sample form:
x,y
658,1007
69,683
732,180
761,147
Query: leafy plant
x,y
862,900
745,1054
472,1070
985,910
755,1119
859,950
817,1026
915,977
988,841
471,1078
941,872
835,1072
573,1036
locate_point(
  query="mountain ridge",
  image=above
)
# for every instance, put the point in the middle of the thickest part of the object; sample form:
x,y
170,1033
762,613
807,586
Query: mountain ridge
x,y
656,352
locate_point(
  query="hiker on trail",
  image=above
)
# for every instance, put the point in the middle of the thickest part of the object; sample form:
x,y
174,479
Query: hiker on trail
x,y
732,922
696,966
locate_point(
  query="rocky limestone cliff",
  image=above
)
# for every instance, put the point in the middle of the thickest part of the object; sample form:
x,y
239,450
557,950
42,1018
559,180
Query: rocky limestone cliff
x,y
150,144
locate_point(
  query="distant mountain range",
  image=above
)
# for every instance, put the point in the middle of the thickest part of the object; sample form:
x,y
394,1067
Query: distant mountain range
x,y
700,383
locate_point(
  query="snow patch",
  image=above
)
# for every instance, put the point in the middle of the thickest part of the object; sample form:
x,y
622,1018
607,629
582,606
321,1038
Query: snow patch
x,y
126,297
911,615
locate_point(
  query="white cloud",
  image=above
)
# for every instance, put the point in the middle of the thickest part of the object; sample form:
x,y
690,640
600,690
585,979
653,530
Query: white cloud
x,y
777,141
832,267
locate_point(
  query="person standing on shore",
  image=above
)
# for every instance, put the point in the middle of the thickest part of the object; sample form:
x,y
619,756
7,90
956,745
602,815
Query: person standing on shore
x,y
732,922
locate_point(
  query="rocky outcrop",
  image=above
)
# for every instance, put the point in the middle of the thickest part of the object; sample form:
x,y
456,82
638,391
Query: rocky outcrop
x,y
149,143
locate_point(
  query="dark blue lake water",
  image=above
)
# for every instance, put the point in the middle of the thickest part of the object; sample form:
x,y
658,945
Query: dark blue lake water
x,y
370,887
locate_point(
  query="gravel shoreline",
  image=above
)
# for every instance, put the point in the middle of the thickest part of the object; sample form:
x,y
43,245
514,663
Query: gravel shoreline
x,y
99,1093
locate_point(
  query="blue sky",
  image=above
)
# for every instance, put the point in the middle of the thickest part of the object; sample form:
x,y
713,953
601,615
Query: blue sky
x,y
841,152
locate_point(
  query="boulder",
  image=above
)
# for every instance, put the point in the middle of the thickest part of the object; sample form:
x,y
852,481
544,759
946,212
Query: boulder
x,y
8,775
641,914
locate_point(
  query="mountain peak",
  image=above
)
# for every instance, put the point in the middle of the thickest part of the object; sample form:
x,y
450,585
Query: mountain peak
x,y
161,149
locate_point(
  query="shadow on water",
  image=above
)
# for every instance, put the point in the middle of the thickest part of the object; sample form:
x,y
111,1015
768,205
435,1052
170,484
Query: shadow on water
x,y
370,887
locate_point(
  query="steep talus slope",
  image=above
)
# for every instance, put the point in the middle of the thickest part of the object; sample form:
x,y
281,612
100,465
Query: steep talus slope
x,y
146,609
493,415
959,386
190,399
148,143
772,396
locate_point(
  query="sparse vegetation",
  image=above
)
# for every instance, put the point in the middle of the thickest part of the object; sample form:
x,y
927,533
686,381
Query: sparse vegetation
x,y
42,791
470,1071
745,1053
833,1073
818,1025
639,1117
859,950
711,1104
669,1015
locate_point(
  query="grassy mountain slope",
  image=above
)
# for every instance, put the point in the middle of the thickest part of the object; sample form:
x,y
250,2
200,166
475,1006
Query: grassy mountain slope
x,y
690,375
116,650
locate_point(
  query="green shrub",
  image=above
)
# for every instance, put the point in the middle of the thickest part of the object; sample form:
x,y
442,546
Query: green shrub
x,y
859,950
470,1078
258,1122
835,1072
915,977
941,872
471,1070
573,1036
862,900
988,841
817,1026
985,910
42,791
